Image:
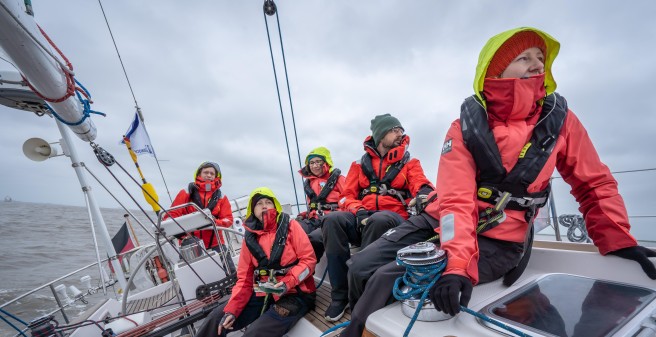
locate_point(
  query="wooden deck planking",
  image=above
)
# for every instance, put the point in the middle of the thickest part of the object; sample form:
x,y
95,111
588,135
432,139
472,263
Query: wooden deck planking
x,y
316,316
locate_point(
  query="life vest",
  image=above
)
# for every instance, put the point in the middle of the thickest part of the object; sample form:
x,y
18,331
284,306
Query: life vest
x,y
382,186
264,264
194,196
509,189
317,201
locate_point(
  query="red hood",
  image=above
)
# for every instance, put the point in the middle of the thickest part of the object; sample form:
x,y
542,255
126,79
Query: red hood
x,y
270,223
395,154
513,98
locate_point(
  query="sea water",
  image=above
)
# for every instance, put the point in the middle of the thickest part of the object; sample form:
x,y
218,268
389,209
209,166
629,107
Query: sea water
x,y
42,242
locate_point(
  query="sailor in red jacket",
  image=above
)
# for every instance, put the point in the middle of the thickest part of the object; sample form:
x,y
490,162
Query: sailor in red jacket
x,y
205,192
376,195
323,186
283,301
493,175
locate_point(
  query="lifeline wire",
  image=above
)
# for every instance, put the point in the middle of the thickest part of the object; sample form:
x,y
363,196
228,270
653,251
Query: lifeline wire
x,y
136,105
282,117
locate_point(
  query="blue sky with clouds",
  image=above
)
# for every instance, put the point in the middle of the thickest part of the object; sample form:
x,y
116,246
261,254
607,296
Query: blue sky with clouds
x,y
202,74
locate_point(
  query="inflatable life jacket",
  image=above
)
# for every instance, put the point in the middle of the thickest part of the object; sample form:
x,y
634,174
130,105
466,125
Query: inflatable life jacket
x,y
509,189
381,186
317,201
264,264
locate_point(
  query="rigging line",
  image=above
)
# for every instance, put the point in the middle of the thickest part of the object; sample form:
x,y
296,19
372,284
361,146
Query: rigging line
x,y
121,204
282,117
136,104
620,172
119,54
289,93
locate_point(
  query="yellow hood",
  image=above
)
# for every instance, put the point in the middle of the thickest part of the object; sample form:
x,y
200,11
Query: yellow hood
x,y
322,152
265,191
496,41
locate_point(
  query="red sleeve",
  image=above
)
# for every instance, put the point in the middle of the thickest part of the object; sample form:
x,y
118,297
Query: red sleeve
x,y
223,213
594,188
243,289
416,177
305,254
456,207
181,198
349,198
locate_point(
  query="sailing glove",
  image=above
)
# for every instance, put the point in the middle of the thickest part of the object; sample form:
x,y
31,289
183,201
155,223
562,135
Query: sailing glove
x,y
641,255
444,294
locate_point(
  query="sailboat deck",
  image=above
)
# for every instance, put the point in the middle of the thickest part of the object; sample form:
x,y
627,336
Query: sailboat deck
x,y
316,316
152,302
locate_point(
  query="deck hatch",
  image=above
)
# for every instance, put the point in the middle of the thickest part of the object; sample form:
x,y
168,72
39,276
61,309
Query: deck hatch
x,y
571,306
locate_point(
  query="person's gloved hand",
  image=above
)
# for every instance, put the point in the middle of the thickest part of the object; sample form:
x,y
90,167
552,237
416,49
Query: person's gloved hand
x,y
450,292
419,202
283,286
641,255
301,216
226,322
361,217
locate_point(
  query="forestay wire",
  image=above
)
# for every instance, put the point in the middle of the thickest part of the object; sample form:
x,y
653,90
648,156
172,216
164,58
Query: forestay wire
x,y
136,105
270,9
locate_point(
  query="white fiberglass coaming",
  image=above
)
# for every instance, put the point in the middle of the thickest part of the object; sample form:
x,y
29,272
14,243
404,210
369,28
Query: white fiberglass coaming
x,y
546,258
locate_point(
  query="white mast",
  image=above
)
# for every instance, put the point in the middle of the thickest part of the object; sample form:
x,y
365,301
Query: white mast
x,y
25,45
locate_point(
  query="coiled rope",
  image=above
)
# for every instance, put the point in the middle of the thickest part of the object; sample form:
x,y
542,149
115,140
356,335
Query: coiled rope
x,y
420,279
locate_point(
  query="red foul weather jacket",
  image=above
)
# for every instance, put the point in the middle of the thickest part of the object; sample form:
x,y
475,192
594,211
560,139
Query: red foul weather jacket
x,y
410,178
222,212
512,115
297,247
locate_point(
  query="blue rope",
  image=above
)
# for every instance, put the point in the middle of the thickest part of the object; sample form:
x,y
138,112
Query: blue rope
x,y
425,277
338,326
493,321
11,324
322,278
86,108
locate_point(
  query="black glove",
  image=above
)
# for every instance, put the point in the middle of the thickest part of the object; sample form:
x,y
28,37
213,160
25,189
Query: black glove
x,y
444,294
361,215
641,255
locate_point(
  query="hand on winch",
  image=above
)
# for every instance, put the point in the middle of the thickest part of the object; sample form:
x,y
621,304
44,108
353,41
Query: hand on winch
x,y
450,292
641,255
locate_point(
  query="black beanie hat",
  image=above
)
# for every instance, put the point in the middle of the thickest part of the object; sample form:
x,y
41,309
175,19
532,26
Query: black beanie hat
x,y
257,198
381,124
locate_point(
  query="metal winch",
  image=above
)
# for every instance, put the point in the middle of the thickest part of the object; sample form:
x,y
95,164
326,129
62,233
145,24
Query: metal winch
x,y
420,258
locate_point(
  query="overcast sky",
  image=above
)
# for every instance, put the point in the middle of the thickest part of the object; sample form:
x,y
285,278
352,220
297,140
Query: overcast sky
x,y
201,72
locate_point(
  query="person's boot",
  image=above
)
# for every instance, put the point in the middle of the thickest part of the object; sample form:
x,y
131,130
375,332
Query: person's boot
x,y
336,310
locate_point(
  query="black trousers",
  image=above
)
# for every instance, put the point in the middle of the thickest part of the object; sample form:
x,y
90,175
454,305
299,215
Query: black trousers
x,y
312,228
268,324
339,229
373,270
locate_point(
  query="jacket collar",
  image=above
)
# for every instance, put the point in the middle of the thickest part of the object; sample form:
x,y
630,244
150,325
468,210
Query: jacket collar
x,y
513,98
393,155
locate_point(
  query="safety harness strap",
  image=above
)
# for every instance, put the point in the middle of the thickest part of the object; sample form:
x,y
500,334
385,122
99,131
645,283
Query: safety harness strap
x,y
273,261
